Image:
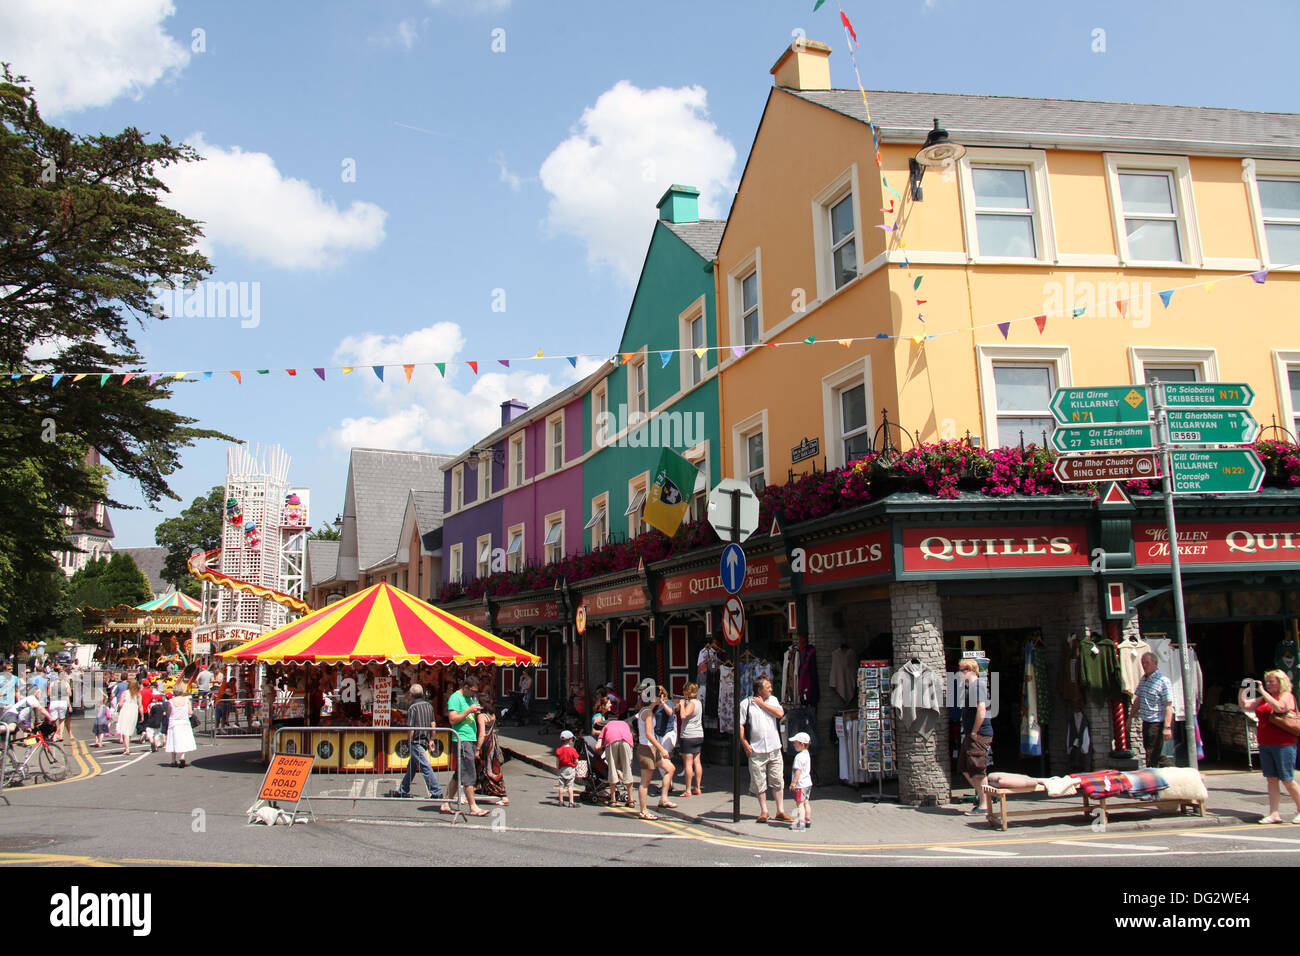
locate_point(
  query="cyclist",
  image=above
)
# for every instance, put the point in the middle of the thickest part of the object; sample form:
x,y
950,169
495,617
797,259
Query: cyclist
x,y
21,714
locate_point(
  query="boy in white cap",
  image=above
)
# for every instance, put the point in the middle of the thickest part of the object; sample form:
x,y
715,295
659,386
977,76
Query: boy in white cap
x,y
566,761
801,782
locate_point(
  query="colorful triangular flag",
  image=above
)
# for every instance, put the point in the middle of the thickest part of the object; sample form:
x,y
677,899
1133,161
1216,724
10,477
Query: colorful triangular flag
x,y
699,353
180,375
38,376
127,377
846,342
1122,306
505,362
238,378
539,354
263,371
1041,322
1166,296
292,371
320,373
347,369
886,228
54,380
1209,286
917,284
154,377
844,18
890,189
1259,276
665,358
573,360
474,366
207,376
737,351
441,367
817,5
627,356
408,369
1004,328
811,339
78,377
102,379
379,371
1078,312
918,340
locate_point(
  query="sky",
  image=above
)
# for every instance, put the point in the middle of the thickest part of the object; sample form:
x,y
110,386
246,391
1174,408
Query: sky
x,y
417,181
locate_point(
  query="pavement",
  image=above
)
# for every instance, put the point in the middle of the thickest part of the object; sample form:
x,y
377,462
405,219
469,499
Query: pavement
x,y
849,818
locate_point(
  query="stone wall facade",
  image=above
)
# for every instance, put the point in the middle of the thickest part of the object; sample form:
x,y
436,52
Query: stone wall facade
x,y
917,623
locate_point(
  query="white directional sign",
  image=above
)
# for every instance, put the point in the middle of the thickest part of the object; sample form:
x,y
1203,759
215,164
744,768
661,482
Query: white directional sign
x,y
733,620
721,509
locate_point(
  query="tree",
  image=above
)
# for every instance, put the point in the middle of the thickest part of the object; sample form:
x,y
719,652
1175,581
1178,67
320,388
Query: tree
x,y
328,531
84,241
197,528
103,583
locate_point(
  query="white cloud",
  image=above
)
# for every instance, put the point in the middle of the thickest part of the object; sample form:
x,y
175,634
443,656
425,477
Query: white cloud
x,y
80,54
629,147
513,180
406,34
431,413
245,203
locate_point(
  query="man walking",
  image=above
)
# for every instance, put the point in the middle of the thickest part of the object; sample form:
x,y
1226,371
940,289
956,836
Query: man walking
x,y
8,685
462,710
1155,703
420,717
761,740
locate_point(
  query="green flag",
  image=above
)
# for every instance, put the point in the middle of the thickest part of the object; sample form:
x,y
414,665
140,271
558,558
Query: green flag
x,y
670,492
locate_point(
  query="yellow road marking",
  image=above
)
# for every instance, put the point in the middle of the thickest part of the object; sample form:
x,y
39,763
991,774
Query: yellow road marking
x,y
30,859
89,768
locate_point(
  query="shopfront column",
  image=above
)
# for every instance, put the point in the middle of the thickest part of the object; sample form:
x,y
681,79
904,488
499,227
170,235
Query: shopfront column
x,y
917,624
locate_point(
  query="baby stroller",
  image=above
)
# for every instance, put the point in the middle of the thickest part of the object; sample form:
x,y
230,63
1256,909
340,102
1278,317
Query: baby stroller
x,y
596,789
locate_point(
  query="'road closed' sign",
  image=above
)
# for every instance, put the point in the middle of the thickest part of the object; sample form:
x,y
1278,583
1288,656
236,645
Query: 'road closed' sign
x,y
286,778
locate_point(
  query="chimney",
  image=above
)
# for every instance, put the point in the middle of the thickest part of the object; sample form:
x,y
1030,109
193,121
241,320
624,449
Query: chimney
x,y
680,204
805,65
511,410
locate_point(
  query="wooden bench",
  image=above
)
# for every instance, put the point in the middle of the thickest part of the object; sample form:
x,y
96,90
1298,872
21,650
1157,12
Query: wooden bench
x,y
998,812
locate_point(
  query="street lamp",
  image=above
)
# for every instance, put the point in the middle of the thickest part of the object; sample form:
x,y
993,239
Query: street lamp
x,y
937,151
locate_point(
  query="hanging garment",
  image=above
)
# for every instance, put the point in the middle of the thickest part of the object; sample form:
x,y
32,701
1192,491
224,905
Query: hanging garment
x,y
711,687
1078,742
842,748
842,680
1071,691
1042,684
1169,660
790,675
1031,736
726,698
1286,658
809,681
708,659
1130,663
917,698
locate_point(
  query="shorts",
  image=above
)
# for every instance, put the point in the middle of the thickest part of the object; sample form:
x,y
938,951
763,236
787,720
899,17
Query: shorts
x,y
645,758
690,745
58,709
802,795
618,757
766,772
466,768
1278,761
974,756
568,775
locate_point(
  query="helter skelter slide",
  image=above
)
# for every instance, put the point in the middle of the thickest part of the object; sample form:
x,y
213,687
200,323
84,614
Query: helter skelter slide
x,y
200,565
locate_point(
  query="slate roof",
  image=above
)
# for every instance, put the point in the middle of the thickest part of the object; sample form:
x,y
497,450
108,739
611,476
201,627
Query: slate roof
x,y
703,236
150,561
381,481
428,509
322,560
1082,124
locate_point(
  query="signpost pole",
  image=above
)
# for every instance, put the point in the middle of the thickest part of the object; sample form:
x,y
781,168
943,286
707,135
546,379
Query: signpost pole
x,y
1180,618
735,685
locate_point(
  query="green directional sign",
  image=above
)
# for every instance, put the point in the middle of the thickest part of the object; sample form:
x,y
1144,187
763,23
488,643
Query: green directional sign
x,y
1216,471
1068,438
1213,394
1101,404
1212,426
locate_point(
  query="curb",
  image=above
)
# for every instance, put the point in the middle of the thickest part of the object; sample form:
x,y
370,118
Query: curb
x,y
531,761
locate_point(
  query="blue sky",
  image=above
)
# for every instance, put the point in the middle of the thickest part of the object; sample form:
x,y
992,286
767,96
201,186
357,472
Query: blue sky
x,y
533,170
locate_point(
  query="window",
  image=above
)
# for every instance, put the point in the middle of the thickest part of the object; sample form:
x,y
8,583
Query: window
x,y
484,477
1171,373
598,524
844,255
855,432
846,413
1279,207
1287,368
517,460
554,542
1293,380
699,457
555,426
1173,365
457,571
744,300
693,336
484,549
1024,396
748,450
754,470
1151,205
600,423
637,398
458,488
515,548
1006,210
635,513
749,309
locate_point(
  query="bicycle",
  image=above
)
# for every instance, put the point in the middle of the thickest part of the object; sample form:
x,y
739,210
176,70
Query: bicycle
x,y
51,761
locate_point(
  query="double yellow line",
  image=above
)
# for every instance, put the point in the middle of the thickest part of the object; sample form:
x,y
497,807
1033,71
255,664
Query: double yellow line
x,y
87,764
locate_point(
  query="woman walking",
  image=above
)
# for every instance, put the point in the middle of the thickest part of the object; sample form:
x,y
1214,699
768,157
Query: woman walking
x,y
128,715
692,742
491,776
60,701
1277,745
650,753
180,735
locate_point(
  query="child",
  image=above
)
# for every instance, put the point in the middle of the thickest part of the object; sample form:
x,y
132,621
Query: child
x,y
155,725
101,721
801,783
566,761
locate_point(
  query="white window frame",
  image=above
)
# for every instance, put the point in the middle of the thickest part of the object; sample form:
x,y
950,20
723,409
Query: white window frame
x,y
518,459
989,355
548,524
551,423
458,488
635,414
843,184
636,522
515,563
480,571
1252,169
857,372
1040,197
1205,361
740,433
1188,234
1284,360
484,476
699,457
601,432
456,566
600,531
690,315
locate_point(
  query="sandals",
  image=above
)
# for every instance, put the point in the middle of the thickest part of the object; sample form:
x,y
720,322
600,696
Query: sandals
x,y
667,806
1271,818
647,816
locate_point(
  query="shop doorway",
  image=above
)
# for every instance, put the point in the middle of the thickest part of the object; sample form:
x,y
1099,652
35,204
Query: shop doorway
x,y
1005,652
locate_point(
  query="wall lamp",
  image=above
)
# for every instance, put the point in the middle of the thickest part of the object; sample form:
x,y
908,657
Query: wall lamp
x,y
937,151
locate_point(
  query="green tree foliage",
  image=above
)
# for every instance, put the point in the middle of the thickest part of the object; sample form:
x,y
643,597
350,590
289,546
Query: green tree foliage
x,y
103,583
197,528
328,531
84,239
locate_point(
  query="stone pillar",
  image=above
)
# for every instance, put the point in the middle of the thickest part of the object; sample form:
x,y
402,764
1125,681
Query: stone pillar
x,y
917,620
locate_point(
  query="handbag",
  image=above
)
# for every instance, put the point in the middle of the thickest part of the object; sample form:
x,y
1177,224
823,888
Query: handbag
x,y
1288,722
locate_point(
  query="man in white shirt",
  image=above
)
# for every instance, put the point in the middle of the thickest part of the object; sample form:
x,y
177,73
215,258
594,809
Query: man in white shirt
x,y
760,738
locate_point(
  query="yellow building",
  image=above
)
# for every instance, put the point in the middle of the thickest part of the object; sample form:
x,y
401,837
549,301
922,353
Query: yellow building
x,y
1055,206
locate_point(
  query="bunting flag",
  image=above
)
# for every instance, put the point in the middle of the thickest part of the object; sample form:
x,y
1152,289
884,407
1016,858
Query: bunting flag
x,y
180,375
665,358
505,362
14,376
1004,328
408,369
572,360
699,353
1041,322
263,371
922,301
817,5
379,371
292,371
886,228
78,378
844,18
810,340
474,366
1259,276
917,284
238,378
55,380
918,340
890,210
102,379
320,372
627,356
894,192
539,354
441,367
207,376
347,370
1209,286
38,377
882,335
154,377
1078,312
127,377
846,342
737,351
1166,296
1122,306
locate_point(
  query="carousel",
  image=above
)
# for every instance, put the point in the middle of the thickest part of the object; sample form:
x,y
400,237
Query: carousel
x,y
335,677
153,635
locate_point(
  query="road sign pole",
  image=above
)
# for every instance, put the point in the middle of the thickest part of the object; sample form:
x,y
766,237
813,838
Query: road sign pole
x,y
1180,617
735,684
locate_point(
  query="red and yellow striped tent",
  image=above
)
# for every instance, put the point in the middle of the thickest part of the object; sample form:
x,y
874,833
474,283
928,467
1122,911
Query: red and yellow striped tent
x,y
381,623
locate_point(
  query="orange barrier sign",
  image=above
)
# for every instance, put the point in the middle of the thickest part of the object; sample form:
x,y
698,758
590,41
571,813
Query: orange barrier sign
x,y
286,777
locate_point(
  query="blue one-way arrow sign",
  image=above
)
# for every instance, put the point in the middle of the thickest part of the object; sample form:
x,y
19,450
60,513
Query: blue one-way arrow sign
x,y
733,568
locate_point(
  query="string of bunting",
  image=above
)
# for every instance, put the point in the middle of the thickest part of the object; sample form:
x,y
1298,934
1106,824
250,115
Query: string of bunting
x,y
622,358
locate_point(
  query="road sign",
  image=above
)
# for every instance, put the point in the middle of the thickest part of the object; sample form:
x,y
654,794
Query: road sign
x,y
733,620
1219,471
721,509
733,568
1212,426
1213,394
1103,438
1079,469
1101,404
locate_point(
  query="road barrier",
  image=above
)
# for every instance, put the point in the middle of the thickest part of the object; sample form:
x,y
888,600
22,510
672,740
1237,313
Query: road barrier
x,y
222,719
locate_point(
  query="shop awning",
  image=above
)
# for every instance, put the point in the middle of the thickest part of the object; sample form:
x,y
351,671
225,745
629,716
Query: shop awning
x,y
381,623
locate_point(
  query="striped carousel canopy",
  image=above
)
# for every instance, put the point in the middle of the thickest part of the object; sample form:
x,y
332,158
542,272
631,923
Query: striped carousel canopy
x,y
381,623
173,602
